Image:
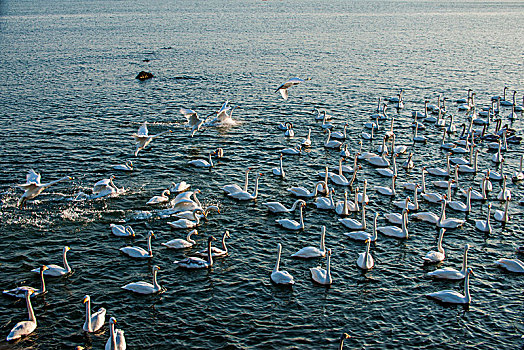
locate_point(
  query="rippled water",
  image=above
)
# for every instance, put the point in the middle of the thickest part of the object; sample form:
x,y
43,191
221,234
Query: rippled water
x,y
70,104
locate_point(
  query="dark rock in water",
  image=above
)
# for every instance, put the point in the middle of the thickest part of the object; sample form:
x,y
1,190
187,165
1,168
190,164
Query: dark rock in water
x,y
144,75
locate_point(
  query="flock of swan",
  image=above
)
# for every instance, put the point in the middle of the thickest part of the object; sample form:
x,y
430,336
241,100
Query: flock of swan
x,y
483,129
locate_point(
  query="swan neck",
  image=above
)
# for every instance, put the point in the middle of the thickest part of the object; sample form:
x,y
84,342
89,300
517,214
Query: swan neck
x,y
246,180
323,239
374,238
88,314
301,218
30,309
328,269
277,264
112,334
465,261
210,161
439,244
66,265
255,194
363,216
224,247
149,249
209,254
42,282
155,282
467,296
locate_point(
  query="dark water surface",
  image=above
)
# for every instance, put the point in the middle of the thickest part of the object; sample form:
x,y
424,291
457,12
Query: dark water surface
x,y
69,104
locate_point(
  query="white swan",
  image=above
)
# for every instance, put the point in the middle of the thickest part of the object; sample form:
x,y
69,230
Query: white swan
x,y
198,263
460,206
19,292
291,82
93,321
163,198
277,207
326,203
464,168
353,224
502,215
505,193
365,260
289,131
484,225
122,231
321,276
292,224
511,265
280,170
278,276
342,207
362,235
454,297
331,143
138,252
236,188
408,163
179,243
387,171
439,255
394,231
217,252
143,139
185,223
410,186
518,175
307,141
33,187
302,192
182,186
407,204
450,273
186,201
116,340
142,287
440,171
128,166
363,197
337,135
313,252
201,163
339,178
106,187
24,328
244,195
379,161
417,138
293,151
447,222
387,191
55,270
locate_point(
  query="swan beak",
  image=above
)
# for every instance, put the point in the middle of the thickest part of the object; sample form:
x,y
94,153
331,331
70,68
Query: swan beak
x,y
70,178
85,300
45,268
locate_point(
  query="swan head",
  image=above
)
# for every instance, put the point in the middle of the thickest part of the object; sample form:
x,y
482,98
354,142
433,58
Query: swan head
x,y
211,239
156,268
66,249
328,252
470,271
86,299
151,233
29,292
466,247
112,320
345,336
43,268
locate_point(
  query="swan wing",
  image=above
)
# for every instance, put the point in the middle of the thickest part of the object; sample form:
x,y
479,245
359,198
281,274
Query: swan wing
x,y
318,274
140,287
447,273
275,207
512,265
135,252
448,296
192,263
32,177
20,329
308,252
282,277
98,319
177,243
284,93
